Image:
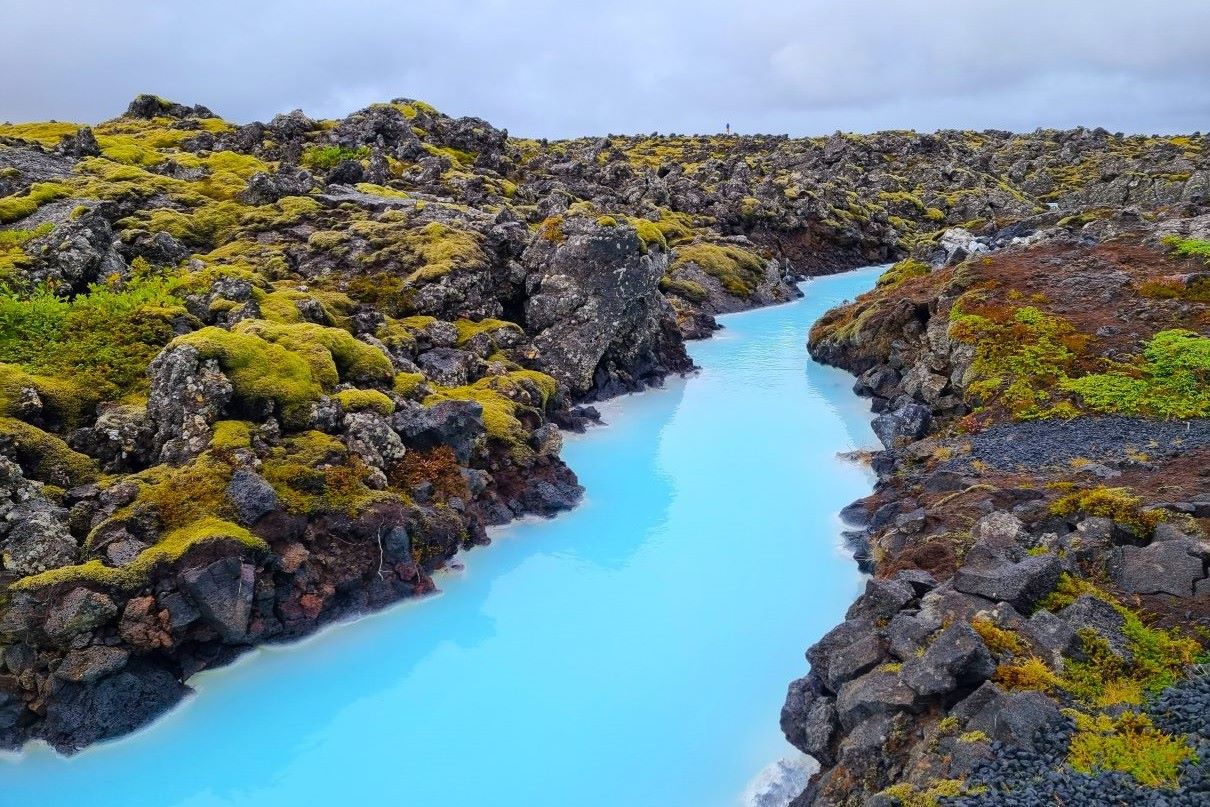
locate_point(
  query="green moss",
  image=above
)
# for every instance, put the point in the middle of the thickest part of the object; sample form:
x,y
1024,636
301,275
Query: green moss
x,y
170,549
649,233
321,158
1172,382
63,401
902,271
1116,503
469,329
46,457
365,400
314,473
262,370
607,221
1022,357
694,292
909,796
739,270
13,208
1129,743
408,383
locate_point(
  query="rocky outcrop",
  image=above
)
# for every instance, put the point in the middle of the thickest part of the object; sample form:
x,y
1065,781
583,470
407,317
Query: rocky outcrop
x,y
595,310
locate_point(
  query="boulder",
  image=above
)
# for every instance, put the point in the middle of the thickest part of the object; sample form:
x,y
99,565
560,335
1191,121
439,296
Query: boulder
x,y
251,495
595,311
38,538
907,422
1021,584
1164,567
456,424
855,659
877,692
91,663
79,611
882,599
116,704
808,719
1093,613
188,394
222,592
957,659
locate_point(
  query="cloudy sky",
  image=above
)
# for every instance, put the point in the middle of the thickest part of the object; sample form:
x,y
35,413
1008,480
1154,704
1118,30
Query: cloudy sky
x,y
559,68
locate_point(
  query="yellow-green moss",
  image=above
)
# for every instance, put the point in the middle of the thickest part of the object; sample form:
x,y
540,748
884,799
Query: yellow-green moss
x,y
739,270
407,383
314,473
1129,743
46,457
13,208
902,271
1116,503
469,329
361,400
170,549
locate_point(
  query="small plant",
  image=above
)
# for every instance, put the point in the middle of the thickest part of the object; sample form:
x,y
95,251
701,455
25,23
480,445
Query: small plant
x,y
1118,504
997,639
1130,744
1028,673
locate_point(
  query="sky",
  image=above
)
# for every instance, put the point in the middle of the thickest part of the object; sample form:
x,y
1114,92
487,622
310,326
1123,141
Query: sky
x,y
546,68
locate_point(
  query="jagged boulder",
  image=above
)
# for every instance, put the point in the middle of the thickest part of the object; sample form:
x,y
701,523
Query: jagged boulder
x,y
595,311
188,394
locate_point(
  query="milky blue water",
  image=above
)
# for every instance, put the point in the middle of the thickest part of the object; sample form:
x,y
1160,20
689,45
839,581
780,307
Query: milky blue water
x,y
632,652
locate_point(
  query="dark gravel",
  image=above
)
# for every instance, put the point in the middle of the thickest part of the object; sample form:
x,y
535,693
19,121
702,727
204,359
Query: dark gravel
x,y
1039,443
1038,775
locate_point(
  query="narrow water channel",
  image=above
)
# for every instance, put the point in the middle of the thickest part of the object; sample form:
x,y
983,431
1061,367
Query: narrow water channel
x,y
633,652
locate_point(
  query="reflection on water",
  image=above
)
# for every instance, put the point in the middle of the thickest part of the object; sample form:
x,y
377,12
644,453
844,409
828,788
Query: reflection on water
x,y
632,652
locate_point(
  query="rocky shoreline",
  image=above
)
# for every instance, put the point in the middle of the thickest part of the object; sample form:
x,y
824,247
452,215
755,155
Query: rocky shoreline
x,y
1040,600
258,378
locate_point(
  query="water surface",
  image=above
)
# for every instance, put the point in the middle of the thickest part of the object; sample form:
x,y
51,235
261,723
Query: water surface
x,y
632,652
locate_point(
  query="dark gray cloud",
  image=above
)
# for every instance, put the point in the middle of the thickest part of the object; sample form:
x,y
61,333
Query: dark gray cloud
x,y
546,68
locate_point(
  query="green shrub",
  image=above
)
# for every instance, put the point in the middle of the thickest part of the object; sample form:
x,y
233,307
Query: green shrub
x,y
902,271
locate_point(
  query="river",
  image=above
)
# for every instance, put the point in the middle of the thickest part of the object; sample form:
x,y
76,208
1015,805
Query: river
x,y
632,652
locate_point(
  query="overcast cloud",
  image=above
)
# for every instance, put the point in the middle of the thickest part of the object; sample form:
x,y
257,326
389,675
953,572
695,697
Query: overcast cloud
x,y
557,69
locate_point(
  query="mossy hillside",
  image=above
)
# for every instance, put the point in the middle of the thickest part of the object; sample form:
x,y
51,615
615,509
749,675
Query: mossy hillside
x,y
1118,504
505,398
1022,356
1171,381
15,208
425,252
469,329
12,252
904,270
1158,657
103,340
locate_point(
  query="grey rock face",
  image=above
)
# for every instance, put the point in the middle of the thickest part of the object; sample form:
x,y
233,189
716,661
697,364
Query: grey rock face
x,y
808,719
1164,567
908,421
91,663
252,496
1093,613
223,594
958,658
110,706
78,252
79,611
1021,584
595,309
456,424
187,396
875,693
38,538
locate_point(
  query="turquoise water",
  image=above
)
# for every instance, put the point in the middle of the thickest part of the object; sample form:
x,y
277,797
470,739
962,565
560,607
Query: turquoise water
x,y
632,652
